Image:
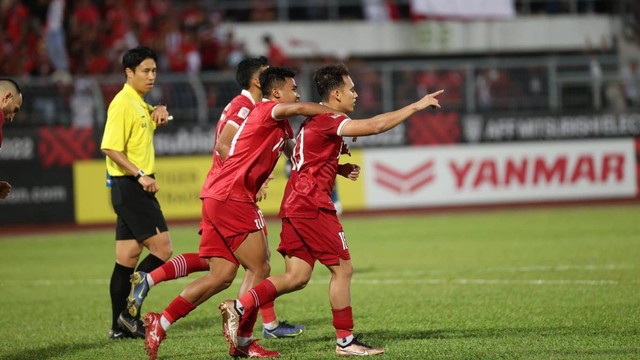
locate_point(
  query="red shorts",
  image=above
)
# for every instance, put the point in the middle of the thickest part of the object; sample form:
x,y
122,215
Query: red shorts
x,y
225,225
319,239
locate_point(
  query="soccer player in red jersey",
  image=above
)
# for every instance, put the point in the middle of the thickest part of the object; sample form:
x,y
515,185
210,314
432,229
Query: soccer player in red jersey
x,y
310,227
231,226
247,75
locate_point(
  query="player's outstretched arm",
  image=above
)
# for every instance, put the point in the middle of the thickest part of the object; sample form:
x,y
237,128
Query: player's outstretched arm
x,y
387,121
287,110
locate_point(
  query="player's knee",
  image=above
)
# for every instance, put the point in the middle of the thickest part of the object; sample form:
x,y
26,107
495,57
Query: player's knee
x,y
345,269
262,270
224,278
344,274
225,283
299,281
266,270
300,285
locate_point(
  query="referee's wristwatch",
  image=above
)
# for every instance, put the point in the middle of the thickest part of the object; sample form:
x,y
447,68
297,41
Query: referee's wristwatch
x,y
140,174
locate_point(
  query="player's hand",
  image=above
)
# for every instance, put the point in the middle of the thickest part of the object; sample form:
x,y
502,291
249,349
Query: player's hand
x,y
160,115
262,193
5,189
428,100
350,171
149,184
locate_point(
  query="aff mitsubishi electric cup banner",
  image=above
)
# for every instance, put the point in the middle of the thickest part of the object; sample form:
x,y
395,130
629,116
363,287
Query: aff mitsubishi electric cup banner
x,y
500,173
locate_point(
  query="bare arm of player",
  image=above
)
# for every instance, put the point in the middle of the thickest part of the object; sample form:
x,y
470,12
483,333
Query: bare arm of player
x,y
148,183
160,115
387,121
287,110
350,171
224,140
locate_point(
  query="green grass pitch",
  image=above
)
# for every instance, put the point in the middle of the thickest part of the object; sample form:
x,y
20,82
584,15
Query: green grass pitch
x,y
560,283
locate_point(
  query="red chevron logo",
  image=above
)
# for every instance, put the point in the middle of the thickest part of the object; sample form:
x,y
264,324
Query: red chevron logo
x,y
404,182
61,147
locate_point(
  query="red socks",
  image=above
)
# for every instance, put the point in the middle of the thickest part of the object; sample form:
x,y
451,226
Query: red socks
x,y
343,322
268,313
180,266
178,308
247,322
263,293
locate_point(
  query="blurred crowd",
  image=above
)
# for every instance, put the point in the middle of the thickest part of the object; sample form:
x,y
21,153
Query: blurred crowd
x,y
63,38
67,37
73,41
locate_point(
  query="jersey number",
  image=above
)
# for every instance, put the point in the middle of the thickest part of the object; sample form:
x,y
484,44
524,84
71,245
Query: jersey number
x,y
343,239
260,220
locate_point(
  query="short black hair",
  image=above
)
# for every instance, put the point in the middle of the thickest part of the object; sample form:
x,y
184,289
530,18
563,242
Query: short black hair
x,y
10,85
248,67
274,77
329,78
133,57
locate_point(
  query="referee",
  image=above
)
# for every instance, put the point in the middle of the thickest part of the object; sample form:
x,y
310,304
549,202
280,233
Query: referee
x,y
128,145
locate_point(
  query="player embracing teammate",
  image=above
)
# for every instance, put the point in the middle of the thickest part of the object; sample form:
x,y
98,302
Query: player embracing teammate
x,y
311,230
231,226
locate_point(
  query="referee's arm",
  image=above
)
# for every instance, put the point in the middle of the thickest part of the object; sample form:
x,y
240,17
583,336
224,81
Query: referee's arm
x,y
148,183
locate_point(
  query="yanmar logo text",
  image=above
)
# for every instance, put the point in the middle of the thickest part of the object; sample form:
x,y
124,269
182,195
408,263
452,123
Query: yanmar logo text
x,y
404,182
470,174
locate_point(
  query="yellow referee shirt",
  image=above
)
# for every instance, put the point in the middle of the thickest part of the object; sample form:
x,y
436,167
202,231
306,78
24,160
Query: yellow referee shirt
x,y
129,129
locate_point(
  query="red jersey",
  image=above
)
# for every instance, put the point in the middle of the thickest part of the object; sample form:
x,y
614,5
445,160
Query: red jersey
x,y
253,154
235,113
314,166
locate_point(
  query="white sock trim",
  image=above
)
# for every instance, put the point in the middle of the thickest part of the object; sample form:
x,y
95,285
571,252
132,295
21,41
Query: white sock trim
x,y
345,341
164,323
272,325
244,341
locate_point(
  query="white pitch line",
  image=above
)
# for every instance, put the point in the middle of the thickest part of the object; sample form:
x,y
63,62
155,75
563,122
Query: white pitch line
x,y
404,277
524,269
459,281
561,268
534,282
477,282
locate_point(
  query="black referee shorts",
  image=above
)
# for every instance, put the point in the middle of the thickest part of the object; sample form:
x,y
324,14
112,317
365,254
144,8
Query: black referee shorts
x,y
139,213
